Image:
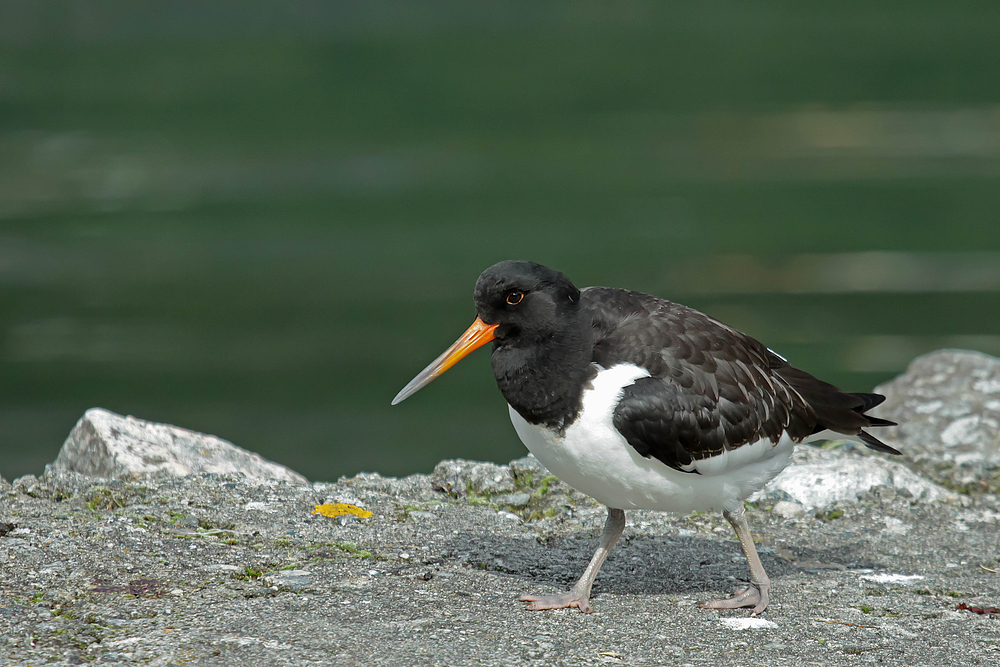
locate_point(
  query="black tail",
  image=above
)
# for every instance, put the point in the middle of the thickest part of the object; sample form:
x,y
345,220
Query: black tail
x,y
836,410
871,442
868,401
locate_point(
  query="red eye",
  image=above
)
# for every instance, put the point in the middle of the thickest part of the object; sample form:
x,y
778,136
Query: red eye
x,y
514,298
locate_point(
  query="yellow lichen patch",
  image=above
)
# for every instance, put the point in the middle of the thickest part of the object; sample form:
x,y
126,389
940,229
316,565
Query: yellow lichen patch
x,y
340,509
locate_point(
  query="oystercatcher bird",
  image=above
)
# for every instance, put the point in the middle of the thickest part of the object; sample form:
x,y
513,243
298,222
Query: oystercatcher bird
x,y
642,403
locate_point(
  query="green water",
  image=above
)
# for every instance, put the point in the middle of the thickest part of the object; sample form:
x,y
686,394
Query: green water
x,y
262,224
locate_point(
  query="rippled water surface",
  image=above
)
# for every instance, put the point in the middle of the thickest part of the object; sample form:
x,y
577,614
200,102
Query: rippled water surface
x,y
263,226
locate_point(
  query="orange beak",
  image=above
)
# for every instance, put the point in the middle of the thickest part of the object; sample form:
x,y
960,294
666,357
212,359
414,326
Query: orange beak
x,y
474,337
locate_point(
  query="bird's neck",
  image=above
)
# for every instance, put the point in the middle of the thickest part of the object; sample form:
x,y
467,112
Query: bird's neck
x,y
544,380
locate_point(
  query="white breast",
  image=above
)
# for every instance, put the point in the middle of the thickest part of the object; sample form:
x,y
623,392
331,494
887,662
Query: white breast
x,y
594,458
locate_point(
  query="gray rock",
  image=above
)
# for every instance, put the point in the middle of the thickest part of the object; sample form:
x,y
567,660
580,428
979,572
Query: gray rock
x,y
457,477
413,487
823,477
517,500
947,405
28,485
122,583
528,471
110,446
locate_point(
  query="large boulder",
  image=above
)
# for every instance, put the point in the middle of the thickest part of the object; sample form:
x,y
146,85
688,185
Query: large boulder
x,y
107,445
821,477
947,404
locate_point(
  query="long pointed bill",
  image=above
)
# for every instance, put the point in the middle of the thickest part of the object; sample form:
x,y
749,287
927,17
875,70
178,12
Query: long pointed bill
x,y
474,337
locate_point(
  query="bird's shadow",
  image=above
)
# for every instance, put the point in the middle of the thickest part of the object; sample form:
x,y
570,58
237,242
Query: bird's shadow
x,y
647,565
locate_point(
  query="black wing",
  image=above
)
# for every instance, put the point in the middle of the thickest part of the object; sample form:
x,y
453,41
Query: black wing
x,y
711,388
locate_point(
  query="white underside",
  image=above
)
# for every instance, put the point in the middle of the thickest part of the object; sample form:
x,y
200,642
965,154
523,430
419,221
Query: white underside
x,y
594,458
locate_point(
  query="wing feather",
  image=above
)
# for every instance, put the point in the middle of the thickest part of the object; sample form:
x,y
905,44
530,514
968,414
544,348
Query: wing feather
x,y
711,388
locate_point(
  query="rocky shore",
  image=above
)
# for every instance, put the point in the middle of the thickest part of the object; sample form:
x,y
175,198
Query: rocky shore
x,y
204,554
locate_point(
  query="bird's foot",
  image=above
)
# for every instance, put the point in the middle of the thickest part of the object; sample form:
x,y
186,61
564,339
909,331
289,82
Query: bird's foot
x,y
561,601
755,595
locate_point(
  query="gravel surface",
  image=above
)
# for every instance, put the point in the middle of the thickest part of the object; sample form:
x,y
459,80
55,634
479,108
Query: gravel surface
x,y
871,561
230,570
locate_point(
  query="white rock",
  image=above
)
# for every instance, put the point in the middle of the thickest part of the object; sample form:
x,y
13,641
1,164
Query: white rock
x,y
787,509
948,409
260,506
887,578
107,445
896,526
750,623
831,478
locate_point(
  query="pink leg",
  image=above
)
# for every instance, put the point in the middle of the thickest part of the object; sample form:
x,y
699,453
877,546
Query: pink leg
x,y
755,595
579,595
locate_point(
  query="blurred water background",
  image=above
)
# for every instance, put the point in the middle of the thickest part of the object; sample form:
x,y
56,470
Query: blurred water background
x,y
261,220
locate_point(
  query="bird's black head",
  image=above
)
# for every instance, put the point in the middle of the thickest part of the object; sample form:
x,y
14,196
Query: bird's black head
x,y
529,312
527,300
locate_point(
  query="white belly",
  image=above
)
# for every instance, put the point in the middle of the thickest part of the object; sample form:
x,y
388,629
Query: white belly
x,y
594,458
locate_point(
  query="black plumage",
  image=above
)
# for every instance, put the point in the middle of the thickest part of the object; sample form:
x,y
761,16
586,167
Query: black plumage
x,y
711,388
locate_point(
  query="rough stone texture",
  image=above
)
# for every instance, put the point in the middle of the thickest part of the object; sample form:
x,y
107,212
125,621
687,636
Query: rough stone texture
x,y
526,469
817,478
290,580
107,445
412,488
821,477
217,569
459,477
788,509
230,570
947,405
